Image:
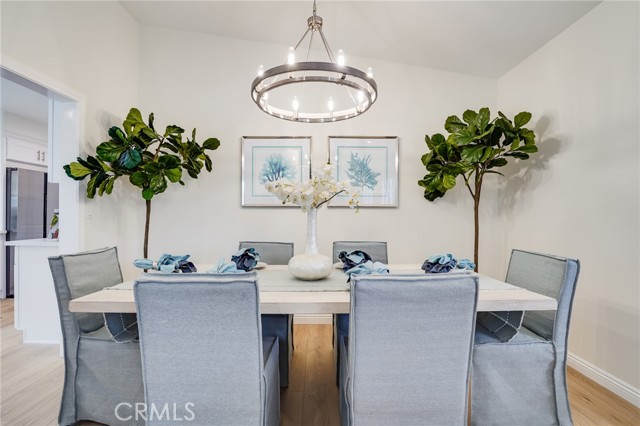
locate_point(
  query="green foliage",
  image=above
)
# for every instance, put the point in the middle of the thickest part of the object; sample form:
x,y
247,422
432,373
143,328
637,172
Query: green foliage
x,y
151,160
476,145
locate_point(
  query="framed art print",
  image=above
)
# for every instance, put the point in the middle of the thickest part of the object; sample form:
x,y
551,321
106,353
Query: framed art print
x,y
269,158
370,165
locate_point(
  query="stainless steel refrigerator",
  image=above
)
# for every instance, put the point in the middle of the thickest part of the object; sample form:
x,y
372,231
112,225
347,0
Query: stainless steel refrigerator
x,y
29,208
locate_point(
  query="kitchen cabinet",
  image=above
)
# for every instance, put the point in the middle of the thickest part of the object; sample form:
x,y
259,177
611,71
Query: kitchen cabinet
x,y
24,151
35,304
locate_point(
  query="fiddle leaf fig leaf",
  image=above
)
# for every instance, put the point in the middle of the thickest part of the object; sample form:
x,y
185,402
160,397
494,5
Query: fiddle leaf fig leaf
x,y
426,158
517,154
207,163
469,116
130,158
448,181
528,136
174,131
529,149
110,151
211,143
497,162
454,124
76,171
110,183
472,154
117,135
174,175
437,139
464,136
133,123
158,183
169,161
148,194
483,118
138,179
521,119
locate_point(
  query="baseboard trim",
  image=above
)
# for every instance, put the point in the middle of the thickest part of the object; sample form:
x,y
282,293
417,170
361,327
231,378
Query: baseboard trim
x,y
622,389
313,319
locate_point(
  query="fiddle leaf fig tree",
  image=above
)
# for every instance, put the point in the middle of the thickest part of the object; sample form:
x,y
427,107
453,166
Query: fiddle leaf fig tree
x,y
151,160
476,146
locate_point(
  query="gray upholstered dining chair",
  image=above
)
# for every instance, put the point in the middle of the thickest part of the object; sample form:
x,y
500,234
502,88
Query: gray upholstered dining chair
x,y
378,252
99,372
203,352
407,357
523,381
276,325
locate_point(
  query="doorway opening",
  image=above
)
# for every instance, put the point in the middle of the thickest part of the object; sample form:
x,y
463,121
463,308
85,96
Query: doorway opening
x,y
39,130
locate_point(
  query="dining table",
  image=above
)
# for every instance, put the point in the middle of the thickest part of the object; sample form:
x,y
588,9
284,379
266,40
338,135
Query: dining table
x,y
281,293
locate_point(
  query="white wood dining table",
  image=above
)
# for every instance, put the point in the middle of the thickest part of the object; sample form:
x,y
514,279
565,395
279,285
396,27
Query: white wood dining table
x,y
281,293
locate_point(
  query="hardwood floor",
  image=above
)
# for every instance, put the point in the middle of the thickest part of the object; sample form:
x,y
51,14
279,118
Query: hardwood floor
x,y
32,378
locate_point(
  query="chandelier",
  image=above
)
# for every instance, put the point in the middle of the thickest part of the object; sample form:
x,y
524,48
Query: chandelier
x,y
314,91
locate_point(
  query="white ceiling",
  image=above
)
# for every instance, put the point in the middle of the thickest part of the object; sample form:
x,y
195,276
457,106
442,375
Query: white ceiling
x,y
18,100
484,38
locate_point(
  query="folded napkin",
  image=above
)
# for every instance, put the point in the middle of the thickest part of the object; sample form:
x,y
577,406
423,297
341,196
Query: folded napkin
x,y
224,267
246,259
441,263
367,268
349,260
466,264
167,263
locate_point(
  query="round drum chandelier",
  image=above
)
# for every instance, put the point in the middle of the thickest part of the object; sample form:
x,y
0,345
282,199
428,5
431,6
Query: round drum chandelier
x,y
313,91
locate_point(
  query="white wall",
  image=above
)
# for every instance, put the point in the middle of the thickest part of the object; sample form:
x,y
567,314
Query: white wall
x,y
21,126
203,81
580,196
90,48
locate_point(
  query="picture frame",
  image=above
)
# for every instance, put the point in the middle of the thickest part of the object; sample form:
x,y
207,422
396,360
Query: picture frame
x,y
267,158
370,165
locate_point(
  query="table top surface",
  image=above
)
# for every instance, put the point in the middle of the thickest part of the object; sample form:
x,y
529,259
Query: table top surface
x,y
281,293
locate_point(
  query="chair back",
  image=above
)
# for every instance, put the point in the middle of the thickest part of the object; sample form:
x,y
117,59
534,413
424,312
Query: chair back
x,y
410,343
271,252
76,275
552,276
376,249
201,346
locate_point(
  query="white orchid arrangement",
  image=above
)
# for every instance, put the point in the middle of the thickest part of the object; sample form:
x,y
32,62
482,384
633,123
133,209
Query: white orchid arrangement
x,y
312,193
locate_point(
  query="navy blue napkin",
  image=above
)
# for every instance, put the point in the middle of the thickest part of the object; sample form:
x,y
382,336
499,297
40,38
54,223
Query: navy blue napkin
x,y
246,259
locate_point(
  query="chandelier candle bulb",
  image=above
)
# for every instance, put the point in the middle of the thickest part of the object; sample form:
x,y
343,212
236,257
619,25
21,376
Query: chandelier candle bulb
x,y
260,70
341,60
291,58
370,72
330,104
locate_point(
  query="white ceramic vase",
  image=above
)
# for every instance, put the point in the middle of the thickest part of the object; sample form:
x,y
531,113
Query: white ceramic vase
x,y
311,265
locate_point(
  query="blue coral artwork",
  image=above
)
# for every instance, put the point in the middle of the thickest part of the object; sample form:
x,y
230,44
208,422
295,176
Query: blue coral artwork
x,y
277,167
369,165
267,159
360,173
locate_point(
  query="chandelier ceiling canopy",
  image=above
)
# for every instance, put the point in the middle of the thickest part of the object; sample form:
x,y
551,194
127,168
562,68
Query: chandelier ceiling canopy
x,y
314,91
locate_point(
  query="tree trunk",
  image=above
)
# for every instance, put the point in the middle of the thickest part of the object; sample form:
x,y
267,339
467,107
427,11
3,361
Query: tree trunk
x,y
476,223
476,217
146,230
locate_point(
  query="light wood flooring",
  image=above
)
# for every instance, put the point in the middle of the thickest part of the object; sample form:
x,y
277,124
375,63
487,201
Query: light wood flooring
x,y
32,377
